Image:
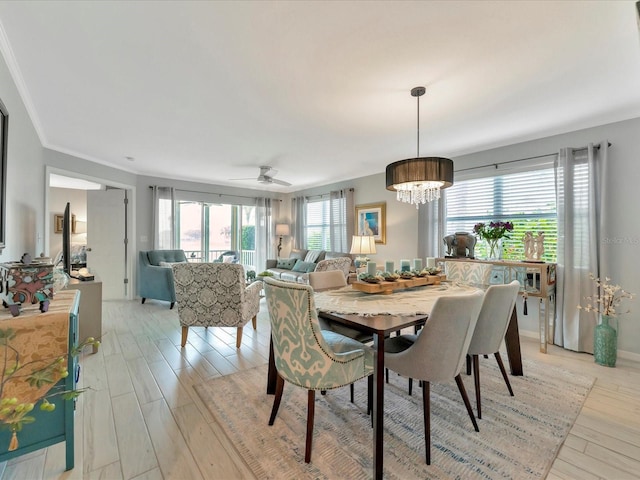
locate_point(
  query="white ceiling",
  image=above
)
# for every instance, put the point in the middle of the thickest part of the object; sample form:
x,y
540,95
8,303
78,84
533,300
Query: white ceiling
x,y
208,91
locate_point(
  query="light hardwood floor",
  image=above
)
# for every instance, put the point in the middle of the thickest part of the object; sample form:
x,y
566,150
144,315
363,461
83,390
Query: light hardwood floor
x,y
140,418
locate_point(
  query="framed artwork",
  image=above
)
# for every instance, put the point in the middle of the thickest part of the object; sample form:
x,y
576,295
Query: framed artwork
x,y
59,221
371,219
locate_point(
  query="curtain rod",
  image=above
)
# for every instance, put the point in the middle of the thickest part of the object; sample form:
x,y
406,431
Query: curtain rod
x,y
322,195
524,159
219,194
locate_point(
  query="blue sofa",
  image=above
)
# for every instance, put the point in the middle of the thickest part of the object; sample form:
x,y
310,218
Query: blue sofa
x,y
155,277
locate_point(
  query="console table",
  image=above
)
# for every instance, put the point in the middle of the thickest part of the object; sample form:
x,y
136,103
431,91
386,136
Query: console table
x,y
537,280
53,427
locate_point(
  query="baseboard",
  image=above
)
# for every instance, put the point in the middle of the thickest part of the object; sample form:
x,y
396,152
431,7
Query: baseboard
x,y
635,357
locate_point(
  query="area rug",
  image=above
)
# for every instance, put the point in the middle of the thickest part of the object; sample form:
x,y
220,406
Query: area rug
x,y
519,436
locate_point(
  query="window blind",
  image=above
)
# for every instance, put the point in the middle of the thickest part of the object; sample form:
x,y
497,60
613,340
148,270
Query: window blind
x,y
527,199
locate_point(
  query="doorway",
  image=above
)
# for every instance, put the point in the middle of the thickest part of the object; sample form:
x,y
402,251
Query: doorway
x,y
109,250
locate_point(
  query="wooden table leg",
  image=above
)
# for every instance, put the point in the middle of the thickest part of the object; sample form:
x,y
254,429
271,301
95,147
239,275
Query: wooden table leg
x,y
512,341
272,373
378,407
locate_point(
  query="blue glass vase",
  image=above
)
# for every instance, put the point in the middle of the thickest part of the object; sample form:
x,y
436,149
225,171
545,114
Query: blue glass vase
x,y
605,342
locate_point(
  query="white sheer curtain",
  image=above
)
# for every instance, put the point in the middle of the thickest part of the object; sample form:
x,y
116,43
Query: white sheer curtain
x,y
341,220
264,232
431,220
298,229
163,227
581,202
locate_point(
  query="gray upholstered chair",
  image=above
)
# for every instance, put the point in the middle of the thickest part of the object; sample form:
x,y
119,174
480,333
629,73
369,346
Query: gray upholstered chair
x,y
215,295
155,277
437,353
493,321
305,355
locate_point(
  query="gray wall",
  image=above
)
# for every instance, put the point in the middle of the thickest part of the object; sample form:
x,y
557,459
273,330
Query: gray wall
x,y
25,173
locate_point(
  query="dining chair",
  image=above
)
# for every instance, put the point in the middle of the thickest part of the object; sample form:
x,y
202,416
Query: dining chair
x,y
215,295
329,280
437,353
490,330
305,355
472,273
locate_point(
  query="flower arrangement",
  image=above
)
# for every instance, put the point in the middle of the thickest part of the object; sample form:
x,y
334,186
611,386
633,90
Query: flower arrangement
x,y
494,231
609,298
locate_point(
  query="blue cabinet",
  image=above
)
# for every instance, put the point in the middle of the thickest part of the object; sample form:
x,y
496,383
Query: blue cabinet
x,y
56,426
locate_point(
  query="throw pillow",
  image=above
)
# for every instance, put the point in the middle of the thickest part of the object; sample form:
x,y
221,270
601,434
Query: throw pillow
x,y
228,258
303,267
168,264
286,263
312,255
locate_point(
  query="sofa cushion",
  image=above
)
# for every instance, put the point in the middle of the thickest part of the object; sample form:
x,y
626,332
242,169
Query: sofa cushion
x,y
298,253
312,256
303,267
286,263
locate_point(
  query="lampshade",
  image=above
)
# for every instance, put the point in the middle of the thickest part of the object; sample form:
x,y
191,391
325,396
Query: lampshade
x,y
282,229
363,244
419,180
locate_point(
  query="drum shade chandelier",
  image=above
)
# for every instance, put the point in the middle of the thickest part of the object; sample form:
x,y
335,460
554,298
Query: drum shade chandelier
x,y
419,180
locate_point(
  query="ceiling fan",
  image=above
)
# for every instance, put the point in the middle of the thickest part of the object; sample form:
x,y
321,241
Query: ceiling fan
x,y
266,176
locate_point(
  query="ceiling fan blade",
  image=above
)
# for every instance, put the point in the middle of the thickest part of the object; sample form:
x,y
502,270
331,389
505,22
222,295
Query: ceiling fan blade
x,y
280,182
245,178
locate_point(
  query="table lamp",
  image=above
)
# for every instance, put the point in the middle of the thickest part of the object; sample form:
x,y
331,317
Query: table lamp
x,y
361,246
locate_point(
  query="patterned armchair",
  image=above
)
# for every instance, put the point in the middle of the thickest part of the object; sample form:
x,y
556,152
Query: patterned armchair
x,y
214,295
306,356
340,263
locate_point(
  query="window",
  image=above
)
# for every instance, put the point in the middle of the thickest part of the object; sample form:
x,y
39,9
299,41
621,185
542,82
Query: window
x,y
528,199
326,227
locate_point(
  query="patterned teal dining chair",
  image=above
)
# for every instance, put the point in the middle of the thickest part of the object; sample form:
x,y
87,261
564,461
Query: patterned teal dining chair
x,y
304,354
470,273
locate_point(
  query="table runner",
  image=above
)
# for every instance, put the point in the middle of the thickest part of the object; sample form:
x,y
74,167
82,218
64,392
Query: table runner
x,y
413,301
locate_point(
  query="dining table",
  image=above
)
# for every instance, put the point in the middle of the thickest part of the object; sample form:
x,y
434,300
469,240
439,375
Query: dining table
x,y
380,316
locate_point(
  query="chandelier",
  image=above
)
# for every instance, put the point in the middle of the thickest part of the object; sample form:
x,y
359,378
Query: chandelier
x,y
419,180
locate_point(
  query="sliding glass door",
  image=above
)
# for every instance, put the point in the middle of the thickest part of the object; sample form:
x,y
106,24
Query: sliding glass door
x,y
207,230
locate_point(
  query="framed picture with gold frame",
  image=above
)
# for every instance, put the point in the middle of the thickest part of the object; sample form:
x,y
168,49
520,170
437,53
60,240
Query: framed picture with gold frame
x,y
59,220
371,219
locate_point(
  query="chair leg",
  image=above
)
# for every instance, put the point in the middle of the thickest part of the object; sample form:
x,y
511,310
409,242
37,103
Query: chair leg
x,y
171,306
277,398
185,332
410,386
370,397
254,321
386,374
504,372
143,300
239,337
467,404
351,392
468,364
311,404
426,408
476,380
